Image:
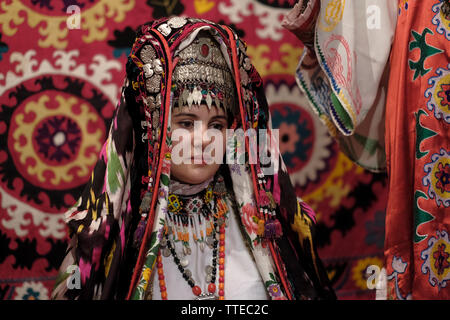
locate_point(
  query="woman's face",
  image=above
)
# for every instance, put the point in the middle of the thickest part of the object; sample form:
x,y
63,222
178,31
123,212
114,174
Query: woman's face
x,y
198,142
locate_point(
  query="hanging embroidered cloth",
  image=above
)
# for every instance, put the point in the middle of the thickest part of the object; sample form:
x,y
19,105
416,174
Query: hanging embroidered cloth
x,y
342,73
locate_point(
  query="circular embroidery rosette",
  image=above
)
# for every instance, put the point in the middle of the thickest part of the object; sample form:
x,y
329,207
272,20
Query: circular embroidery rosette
x,y
440,20
303,140
436,258
438,178
52,127
32,290
439,94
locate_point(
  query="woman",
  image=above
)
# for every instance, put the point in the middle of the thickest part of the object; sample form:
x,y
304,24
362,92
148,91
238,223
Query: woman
x,y
181,204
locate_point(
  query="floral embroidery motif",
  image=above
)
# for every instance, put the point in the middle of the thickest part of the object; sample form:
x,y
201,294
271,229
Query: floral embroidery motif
x,y
443,176
248,218
436,260
438,94
273,288
441,259
437,178
399,267
441,19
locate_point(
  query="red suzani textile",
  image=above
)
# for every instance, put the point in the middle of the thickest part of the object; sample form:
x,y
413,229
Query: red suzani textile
x,y
418,153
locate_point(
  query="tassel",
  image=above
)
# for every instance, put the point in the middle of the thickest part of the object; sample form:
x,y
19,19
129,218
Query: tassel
x,y
273,229
261,227
146,201
264,200
140,231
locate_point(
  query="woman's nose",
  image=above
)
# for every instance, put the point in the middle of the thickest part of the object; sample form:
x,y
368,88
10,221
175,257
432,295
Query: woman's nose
x,y
201,137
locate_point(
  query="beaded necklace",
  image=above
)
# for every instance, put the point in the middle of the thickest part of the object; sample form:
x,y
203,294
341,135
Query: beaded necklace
x,y
204,217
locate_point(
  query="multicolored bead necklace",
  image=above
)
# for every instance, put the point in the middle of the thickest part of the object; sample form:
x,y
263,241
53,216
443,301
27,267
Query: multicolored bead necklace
x,y
204,215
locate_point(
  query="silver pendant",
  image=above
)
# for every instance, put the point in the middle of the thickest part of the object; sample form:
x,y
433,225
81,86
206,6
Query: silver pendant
x,y
166,252
184,262
207,296
187,250
209,241
208,269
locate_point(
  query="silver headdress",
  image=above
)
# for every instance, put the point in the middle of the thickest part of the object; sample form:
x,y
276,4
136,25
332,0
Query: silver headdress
x,y
202,75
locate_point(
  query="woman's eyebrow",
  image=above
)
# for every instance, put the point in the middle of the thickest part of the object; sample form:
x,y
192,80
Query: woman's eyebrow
x,y
185,114
218,117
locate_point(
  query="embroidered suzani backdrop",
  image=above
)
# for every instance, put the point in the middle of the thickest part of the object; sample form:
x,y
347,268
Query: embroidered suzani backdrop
x,y
59,83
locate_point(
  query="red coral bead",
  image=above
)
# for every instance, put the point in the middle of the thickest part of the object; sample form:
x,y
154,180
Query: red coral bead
x,y
196,290
211,288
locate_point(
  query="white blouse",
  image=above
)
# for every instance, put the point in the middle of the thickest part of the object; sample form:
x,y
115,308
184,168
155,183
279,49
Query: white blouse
x,y
242,278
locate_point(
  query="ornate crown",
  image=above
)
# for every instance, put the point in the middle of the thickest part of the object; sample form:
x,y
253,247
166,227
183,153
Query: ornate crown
x,y
202,75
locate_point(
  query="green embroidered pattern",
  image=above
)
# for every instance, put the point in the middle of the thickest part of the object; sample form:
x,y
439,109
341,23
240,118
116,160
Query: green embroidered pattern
x,y
426,51
420,216
422,133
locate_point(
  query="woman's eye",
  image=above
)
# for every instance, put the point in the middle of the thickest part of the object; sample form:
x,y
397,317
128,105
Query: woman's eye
x,y
218,126
186,124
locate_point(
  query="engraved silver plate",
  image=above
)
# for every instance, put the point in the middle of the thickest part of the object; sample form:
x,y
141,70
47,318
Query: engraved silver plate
x,y
207,296
147,54
164,29
166,252
152,84
177,22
